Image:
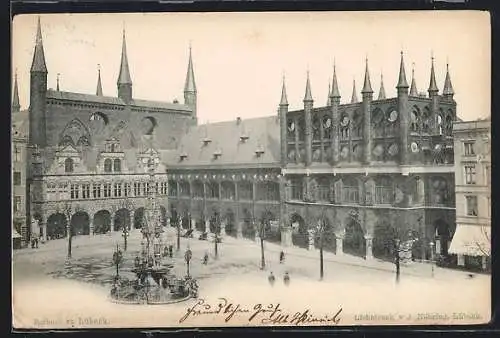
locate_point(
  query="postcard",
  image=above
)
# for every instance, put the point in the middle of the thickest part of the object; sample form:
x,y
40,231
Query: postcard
x,y
251,169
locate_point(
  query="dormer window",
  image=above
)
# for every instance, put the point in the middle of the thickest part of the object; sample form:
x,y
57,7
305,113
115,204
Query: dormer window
x,y
183,156
206,141
217,153
107,165
244,137
259,151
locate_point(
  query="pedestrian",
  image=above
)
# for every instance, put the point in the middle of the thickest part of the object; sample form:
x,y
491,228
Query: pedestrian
x,y
205,258
282,257
170,250
271,278
286,278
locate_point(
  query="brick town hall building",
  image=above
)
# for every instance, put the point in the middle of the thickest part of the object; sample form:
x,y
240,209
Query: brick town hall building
x,y
360,169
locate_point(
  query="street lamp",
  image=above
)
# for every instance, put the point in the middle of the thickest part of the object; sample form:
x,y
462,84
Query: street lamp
x,y
216,238
187,256
262,233
125,235
432,244
321,229
117,259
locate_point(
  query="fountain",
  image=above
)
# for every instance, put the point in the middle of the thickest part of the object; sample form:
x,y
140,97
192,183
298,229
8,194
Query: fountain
x,y
154,282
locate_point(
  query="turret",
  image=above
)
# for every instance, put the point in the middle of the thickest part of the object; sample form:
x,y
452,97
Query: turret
x,y
38,93
15,98
381,93
124,82
335,100
308,106
413,88
354,97
283,111
402,89
433,88
190,93
367,93
98,91
448,88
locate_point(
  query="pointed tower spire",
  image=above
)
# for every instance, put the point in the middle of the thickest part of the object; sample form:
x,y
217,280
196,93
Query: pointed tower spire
x,y
15,98
57,81
354,97
381,93
98,91
284,100
190,94
402,83
190,85
124,82
413,88
39,64
308,95
448,88
335,86
433,88
124,76
367,86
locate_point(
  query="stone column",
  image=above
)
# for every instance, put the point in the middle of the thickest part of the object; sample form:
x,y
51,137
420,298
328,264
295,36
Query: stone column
x,y
339,238
44,229
222,228
286,236
460,260
239,229
91,225
310,238
112,222
369,243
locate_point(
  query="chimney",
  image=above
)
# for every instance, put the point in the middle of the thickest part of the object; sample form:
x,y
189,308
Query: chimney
x,y
238,120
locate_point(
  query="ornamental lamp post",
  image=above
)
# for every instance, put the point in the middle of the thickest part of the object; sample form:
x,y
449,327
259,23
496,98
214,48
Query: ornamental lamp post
x,y
125,235
432,244
117,259
187,256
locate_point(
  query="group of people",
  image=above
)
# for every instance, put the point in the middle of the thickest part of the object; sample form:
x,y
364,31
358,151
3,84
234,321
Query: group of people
x,y
286,276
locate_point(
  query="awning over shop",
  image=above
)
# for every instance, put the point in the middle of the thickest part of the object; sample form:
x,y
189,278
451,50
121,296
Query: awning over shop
x,y
471,240
15,234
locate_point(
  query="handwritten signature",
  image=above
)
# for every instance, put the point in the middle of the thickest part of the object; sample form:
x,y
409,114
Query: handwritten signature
x,y
258,313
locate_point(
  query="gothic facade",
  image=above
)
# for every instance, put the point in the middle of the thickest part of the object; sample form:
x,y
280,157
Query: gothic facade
x,y
87,167
359,171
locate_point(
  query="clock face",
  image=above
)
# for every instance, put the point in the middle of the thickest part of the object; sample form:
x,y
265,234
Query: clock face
x,y
393,116
414,147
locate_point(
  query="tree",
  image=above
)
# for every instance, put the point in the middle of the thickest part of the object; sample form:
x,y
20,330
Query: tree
x,y
397,241
67,211
321,231
127,204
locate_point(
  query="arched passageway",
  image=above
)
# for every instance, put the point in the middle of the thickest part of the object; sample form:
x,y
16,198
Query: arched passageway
x,y
122,220
102,222
248,228
230,223
329,239
139,218
80,224
56,226
354,240
300,236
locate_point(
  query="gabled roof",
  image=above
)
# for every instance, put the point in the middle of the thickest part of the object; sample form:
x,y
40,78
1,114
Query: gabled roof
x,y
69,96
202,143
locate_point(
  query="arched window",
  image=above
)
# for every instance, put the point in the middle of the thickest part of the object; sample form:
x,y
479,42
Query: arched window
x,y
107,165
357,124
117,165
426,120
68,165
415,120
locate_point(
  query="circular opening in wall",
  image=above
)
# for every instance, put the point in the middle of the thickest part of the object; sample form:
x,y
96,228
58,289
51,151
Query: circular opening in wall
x,y
148,124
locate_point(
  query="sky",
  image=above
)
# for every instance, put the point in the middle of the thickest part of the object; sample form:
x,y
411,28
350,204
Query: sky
x,y
240,58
